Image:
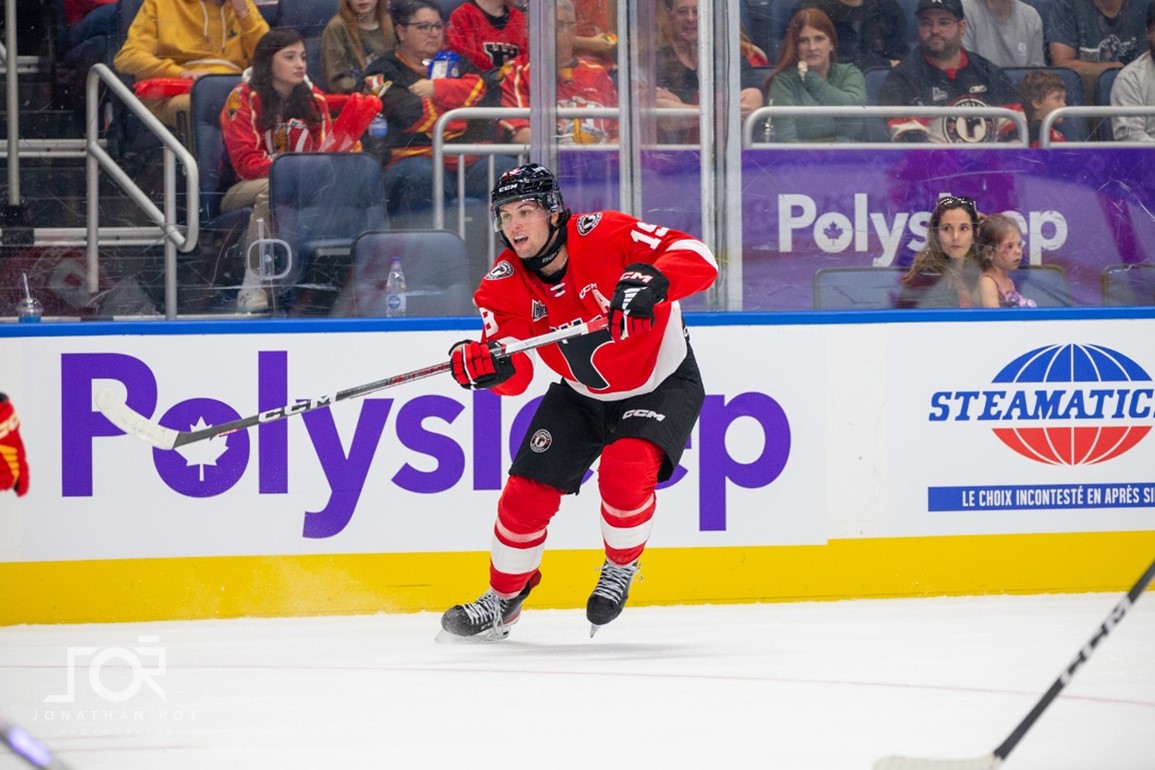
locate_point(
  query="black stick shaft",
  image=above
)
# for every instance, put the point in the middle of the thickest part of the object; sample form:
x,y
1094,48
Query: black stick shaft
x,y
1105,628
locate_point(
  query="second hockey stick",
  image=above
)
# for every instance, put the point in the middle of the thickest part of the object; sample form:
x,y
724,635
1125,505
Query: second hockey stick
x,y
996,757
130,421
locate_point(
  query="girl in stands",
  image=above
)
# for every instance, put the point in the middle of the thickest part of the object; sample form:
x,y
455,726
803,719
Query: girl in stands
x,y
945,272
359,33
1000,250
274,110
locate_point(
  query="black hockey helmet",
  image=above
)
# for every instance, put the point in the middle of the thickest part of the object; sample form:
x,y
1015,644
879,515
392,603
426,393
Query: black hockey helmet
x,y
530,181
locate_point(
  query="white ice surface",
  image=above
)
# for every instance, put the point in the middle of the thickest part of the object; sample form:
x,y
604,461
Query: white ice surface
x,y
807,685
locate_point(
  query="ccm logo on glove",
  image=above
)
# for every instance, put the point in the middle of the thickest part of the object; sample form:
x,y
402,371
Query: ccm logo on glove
x,y
640,287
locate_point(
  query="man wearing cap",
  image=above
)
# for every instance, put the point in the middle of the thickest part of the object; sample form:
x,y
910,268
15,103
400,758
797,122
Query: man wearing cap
x,y
1135,86
941,73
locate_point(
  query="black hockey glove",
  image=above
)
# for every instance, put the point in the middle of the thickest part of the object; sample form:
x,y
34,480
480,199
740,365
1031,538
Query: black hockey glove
x,y
632,309
475,367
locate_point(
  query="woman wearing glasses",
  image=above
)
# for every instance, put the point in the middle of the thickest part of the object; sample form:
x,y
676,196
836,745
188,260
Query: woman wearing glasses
x,y
946,272
417,84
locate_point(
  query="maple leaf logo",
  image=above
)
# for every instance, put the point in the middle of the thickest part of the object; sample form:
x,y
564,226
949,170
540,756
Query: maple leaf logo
x,y
203,453
832,233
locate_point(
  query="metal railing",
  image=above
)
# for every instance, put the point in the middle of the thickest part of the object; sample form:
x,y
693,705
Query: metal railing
x,y
1050,120
758,116
98,159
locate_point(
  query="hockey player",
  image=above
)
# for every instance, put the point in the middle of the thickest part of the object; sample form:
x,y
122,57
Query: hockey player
x,y
630,393
13,463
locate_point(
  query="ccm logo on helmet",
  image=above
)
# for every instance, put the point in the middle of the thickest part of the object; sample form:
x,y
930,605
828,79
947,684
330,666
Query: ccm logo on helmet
x,y
651,414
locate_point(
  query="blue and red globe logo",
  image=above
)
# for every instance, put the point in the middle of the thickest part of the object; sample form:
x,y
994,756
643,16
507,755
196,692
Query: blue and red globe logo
x,y
1100,385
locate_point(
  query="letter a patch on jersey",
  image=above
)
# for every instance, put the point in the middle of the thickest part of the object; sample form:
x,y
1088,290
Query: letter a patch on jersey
x,y
537,311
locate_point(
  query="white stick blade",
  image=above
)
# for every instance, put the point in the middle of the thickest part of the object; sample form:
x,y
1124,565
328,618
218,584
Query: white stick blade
x,y
134,423
989,762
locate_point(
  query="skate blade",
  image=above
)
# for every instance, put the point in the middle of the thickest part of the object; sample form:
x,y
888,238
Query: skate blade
x,y
492,635
594,628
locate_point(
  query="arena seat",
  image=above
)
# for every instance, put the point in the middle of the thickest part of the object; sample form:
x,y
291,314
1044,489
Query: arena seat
x,y
1103,86
1129,284
207,99
320,203
436,274
1047,285
856,288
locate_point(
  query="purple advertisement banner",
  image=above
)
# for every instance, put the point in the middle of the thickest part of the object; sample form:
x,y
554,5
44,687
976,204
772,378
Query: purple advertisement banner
x,y
1083,210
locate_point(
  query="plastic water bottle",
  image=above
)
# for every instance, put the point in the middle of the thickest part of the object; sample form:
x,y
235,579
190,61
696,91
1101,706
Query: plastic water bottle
x,y
28,308
395,290
446,64
378,139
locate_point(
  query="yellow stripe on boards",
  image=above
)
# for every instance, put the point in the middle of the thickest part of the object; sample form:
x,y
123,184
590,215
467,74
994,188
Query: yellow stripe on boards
x,y
123,590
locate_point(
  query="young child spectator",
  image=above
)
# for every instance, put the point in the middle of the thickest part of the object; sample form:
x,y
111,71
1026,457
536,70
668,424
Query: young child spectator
x,y
1133,87
186,39
871,33
941,73
1008,32
808,74
488,33
1000,250
359,33
1042,92
412,102
13,463
274,110
945,272
580,83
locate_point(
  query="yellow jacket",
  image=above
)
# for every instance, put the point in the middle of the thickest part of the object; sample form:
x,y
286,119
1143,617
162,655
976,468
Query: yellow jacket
x,y
168,36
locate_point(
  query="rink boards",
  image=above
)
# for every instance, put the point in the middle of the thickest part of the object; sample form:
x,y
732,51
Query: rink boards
x,y
849,455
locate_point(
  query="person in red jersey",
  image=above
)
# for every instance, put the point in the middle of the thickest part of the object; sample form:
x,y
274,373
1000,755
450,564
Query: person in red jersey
x,y
630,393
13,463
488,33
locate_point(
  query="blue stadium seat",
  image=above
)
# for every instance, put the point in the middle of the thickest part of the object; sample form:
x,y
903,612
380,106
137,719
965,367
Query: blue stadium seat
x,y
756,17
1129,284
309,17
1103,86
876,130
436,274
216,172
1047,285
856,288
321,202
1075,129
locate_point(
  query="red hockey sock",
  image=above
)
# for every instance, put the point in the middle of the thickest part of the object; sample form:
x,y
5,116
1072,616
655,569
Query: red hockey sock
x,y
627,476
523,514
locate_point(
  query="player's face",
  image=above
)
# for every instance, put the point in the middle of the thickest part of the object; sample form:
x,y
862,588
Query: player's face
x,y
423,36
1009,253
956,233
288,67
940,33
525,225
814,48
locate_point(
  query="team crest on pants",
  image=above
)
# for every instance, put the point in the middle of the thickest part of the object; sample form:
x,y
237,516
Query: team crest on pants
x,y
541,441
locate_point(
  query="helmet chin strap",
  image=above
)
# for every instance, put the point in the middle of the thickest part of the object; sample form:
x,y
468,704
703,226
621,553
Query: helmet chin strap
x,y
547,253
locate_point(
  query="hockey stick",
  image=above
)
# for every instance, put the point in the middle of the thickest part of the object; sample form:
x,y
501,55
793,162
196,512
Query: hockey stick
x,y
136,424
29,748
996,757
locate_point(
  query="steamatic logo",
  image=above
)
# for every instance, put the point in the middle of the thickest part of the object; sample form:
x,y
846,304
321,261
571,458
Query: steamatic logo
x,y
1060,404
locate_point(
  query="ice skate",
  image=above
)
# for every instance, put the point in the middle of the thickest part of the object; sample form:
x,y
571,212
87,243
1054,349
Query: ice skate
x,y
487,619
610,594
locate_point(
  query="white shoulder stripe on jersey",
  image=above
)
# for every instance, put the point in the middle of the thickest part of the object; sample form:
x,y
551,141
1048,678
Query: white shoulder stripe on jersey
x,y
696,246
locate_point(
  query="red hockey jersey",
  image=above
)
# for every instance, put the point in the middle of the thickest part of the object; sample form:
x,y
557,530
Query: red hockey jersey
x,y
251,150
473,34
584,84
516,304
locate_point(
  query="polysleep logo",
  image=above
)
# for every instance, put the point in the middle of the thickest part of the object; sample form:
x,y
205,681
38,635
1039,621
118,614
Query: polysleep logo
x,y
1061,404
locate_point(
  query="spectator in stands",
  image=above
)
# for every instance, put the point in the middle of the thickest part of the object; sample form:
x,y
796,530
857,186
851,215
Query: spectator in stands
x,y
89,19
489,33
274,110
676,75
580,83
1135,86
999,250
808,74
1042,92
871,33
1007,32
597,37
14,473
1090,36
359,33
186,39
941,73
412,103
945,272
